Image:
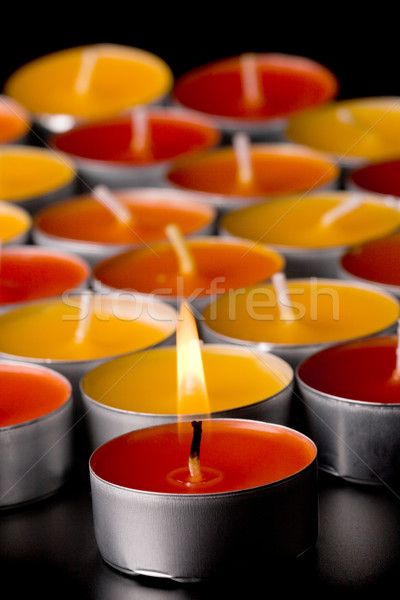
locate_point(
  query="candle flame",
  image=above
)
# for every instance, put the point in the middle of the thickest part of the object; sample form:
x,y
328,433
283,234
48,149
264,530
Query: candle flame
x,y
192,389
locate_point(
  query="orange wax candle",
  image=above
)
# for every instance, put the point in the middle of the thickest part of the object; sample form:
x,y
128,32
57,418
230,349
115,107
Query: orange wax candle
x,y
88,82
30,273
358,129
15,121
283,85
277,169
15,223
220,264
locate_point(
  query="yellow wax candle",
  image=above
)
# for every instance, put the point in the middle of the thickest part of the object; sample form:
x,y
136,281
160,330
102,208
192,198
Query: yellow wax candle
x,y
324,311
299,221
15,121
15,223
367,128
117,325
27,172
90,82
234,377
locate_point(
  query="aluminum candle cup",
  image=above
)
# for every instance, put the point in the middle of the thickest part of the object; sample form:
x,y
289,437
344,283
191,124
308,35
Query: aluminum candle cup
x,y
89,82
351,405
324,312
255,92
15,224
277,169
31,273
35,432
15,121
313,231
82,225
114,153
221,264
34,177
150,520
123,395
73,340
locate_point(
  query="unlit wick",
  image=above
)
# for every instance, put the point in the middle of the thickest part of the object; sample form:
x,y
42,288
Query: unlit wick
x,y
194,456
103,195
282,297
140,130
187,265
341,209
88,62
242,149
251,87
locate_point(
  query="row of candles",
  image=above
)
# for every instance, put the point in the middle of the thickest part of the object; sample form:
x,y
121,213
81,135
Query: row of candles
x,y
167,253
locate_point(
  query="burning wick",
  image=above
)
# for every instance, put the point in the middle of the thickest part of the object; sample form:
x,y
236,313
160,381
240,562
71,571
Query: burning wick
x,y
282,297
140,130
242,150
340,210
88,62
250,81
103,195
187,265
194,457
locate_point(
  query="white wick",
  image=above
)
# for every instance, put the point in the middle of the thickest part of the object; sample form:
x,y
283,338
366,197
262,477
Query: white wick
x,y
250,79
187,264
85,317
140,130
242,149
89,58
282,297
103,195
341,209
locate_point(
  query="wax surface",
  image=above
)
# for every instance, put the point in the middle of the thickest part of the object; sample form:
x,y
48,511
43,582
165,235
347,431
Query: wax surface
x,y
380,178
296,221
83,218
122,77
14,120
367,128
246,455
276,170
47,329
111,141
27,172
14,222
324,310
361,370
288,84
28,393
220,266
29,273
234,377
376,261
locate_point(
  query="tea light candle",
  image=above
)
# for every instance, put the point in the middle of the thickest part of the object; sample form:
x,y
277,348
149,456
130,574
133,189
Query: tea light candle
x,y
351,404
88,82
15,224
379,178
33,177
313,231
216,265
321,312
375,262
35,432
15,121
255,92
83,224
31,273
276,170
135,149
357,131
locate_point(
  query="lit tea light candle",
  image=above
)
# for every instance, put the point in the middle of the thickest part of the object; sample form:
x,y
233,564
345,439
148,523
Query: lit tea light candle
x,y
73,337
35,432
15,224
135,149
355,131
375,262
131,217
31,273
313,231
255,92
197,269
276,170
326,311
88,82
351,404
34,177
379,178
203,463
15,121
240,383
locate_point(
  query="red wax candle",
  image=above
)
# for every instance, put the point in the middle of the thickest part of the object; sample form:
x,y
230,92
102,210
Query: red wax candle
x,y
234,456
378,177
287,84
362,370
29,392
30,273
376,261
